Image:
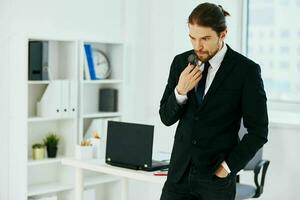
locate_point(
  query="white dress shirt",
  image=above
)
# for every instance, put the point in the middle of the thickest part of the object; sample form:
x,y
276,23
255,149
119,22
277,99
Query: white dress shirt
x,y
215,63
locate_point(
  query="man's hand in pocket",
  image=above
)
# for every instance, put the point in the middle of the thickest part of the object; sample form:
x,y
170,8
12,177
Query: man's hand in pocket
x,y
221,172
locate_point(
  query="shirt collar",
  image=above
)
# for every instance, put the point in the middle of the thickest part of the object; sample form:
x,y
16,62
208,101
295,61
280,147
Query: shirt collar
x,y
216,61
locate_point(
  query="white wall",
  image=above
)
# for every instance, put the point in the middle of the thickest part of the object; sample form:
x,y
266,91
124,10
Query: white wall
x,y
81,19
4,100
283,178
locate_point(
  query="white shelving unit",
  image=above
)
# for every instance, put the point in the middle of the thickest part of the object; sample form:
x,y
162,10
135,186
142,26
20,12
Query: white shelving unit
x,y
38,82
66,62
102,115
46,188
102,82
45,161
96,180
54,187
41,119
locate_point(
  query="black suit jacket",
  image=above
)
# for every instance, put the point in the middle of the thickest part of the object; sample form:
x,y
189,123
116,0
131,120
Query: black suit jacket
x,y
208,134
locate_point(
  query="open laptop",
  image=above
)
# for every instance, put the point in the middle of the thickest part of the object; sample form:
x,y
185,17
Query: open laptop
x,y
130,145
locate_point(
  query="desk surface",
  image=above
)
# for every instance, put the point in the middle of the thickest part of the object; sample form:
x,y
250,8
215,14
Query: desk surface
x,y
102,167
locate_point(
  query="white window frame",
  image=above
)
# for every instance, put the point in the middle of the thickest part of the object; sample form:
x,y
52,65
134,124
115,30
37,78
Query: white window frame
x,y
293,106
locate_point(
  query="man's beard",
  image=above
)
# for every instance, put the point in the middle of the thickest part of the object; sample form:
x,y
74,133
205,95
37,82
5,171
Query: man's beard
x,y
208,57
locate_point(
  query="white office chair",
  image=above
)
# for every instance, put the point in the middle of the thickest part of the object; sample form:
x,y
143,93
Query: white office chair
x,y
257,165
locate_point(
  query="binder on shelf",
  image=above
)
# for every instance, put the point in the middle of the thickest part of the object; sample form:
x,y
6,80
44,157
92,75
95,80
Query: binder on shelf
x,y
35,60
65,96
73,98
45,63
90,60
55,101
50,103
38,65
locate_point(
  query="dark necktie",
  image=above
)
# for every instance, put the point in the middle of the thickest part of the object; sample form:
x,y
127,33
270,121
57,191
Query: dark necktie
x,y
201,85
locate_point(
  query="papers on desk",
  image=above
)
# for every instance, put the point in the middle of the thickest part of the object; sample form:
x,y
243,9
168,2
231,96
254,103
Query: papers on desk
x,y
161,173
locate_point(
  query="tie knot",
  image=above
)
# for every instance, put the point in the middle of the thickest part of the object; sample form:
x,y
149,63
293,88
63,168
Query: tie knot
x,y
206,65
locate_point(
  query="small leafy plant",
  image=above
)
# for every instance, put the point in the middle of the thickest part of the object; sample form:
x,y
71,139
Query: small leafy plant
x,y
51,140
38,146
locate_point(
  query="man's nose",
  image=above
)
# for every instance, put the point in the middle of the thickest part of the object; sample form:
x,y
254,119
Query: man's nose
x,y
198,45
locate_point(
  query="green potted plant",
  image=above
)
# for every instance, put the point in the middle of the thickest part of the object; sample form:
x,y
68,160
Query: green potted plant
x,y
51,141
38,151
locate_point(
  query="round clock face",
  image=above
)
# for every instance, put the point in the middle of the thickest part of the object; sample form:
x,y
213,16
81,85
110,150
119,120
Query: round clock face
x,y
102,68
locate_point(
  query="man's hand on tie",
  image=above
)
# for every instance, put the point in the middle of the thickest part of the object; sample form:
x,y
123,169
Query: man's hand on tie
x,y
188,79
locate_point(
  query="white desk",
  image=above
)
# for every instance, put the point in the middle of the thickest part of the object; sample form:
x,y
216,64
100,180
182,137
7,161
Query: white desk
x,y
100,166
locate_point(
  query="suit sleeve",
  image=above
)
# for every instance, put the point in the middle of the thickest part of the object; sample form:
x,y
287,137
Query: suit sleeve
x,y
255,118
170,111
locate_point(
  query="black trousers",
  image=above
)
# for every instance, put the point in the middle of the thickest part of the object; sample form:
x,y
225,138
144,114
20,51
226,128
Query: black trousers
x,y
194,186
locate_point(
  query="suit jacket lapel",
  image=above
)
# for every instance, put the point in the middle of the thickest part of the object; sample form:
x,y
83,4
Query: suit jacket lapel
x,y
225,68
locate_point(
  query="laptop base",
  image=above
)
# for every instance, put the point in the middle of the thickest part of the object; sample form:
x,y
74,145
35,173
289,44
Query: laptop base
x,y
156,165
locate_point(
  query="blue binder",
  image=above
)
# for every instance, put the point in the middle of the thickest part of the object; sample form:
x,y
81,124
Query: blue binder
x,y
90,60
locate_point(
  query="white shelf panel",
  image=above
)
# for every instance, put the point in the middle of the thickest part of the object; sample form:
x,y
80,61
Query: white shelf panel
x,y
107,81
96,180
44,161
46,188
102,114
40,119
38,82
96,40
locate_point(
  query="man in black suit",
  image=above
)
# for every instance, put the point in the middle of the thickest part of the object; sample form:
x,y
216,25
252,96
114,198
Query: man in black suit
x,y
209,97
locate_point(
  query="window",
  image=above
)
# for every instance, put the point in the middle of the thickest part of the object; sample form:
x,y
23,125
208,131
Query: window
x,y
274,42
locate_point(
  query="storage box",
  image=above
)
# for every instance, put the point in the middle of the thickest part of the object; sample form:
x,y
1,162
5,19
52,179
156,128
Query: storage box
x,y
96,148
84,152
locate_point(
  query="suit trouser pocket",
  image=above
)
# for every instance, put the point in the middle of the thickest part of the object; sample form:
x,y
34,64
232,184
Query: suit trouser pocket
x,y
222,182
215,188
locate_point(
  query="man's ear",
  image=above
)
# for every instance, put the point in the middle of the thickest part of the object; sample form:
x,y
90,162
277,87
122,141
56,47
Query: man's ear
x,y
223,34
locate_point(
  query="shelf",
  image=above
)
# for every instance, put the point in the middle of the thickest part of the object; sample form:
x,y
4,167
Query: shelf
x,y
46,188
40,119
109,42
67,58
38,82
44,161
96,180
107,81
102,114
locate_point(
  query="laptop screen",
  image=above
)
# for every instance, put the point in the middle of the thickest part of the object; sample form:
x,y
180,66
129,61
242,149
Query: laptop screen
x,y
129,143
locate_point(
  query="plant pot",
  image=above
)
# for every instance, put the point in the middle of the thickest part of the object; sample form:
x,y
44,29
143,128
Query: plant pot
x,y
38,153
51,151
